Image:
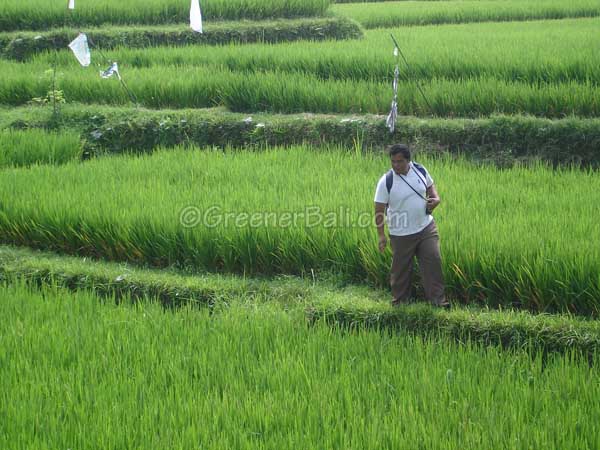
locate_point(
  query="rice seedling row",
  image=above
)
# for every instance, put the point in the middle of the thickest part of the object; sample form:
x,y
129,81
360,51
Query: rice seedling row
x,y
172,87
403,13
538,79
506,51
504,233
42,14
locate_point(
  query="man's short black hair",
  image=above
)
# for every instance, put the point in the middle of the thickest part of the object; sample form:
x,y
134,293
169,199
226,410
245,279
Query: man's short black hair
x,y
399,148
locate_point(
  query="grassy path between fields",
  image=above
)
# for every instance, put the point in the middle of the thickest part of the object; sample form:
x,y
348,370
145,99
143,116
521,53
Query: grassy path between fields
x,y
345,306
33,134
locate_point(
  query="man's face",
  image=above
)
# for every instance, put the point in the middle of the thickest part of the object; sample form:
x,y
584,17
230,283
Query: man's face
x,y
400,164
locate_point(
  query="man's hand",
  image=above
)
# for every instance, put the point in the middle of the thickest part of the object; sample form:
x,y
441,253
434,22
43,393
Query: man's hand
x,y
432,203
433,199
380,222
382,243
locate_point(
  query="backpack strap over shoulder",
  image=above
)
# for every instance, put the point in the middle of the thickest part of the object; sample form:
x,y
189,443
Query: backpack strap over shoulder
x,y
389,180
421,170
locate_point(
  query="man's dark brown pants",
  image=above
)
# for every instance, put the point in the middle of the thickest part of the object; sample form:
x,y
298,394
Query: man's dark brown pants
x,y
425,245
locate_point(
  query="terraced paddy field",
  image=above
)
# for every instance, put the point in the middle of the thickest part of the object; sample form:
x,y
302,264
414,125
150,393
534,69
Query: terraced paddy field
x,y
189,256
496,73
297,210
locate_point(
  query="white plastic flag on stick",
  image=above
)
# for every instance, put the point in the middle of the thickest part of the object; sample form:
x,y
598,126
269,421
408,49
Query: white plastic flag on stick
x,y
391,118
195,17
112,70
397,52
80,48
71,4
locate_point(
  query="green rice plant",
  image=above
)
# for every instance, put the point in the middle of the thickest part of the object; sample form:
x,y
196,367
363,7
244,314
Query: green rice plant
x,y
513,52
27,147
403,13
43,14
504,232
188,87
74,368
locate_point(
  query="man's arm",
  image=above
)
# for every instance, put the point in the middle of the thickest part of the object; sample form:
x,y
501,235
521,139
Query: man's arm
x,y
433,198
380,223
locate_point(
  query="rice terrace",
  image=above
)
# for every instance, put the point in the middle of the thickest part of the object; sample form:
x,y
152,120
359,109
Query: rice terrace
x,y
299,224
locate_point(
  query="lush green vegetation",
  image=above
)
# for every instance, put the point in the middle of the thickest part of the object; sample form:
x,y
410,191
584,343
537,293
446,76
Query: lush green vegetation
x,y
502,140
322,298
44,14
247,212
74,369
535,333
402,13
188,87
512,52
22,45
172,287
204,280
550,81
27,147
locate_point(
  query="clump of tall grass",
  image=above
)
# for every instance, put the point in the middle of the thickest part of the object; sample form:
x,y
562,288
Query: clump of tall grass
x,y
503,231
28,147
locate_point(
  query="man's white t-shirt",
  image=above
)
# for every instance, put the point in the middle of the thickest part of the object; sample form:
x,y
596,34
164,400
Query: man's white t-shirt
x,y
406,210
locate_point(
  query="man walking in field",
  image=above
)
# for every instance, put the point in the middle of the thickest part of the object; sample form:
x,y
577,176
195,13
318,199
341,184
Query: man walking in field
x,y
407,196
